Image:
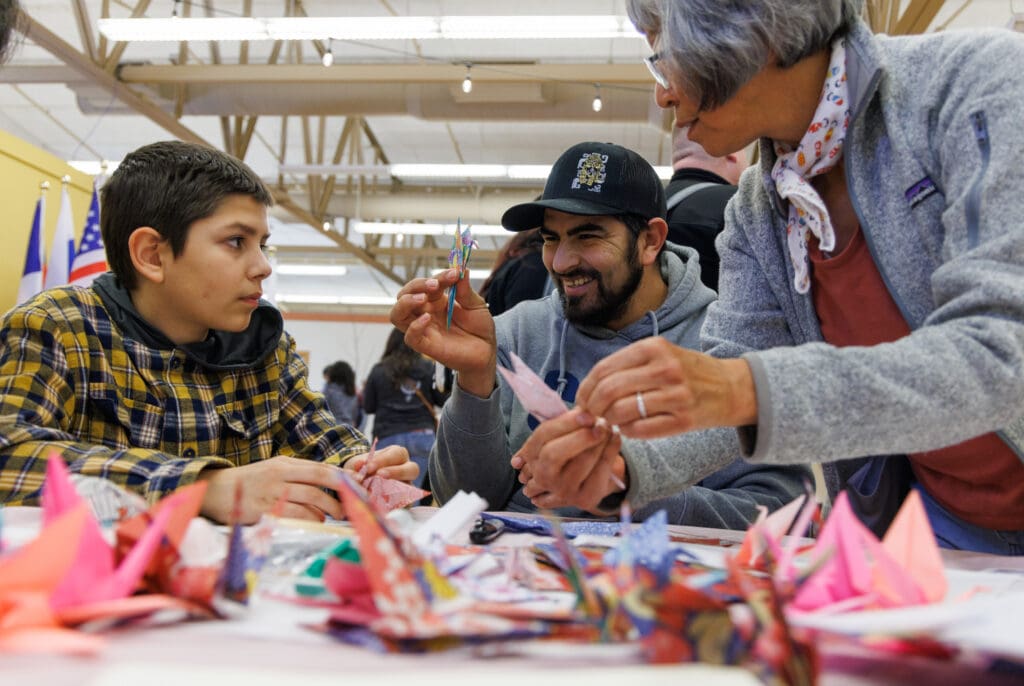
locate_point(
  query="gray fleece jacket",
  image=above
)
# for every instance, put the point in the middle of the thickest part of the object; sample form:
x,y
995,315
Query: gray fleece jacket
x,y
477,436
933,162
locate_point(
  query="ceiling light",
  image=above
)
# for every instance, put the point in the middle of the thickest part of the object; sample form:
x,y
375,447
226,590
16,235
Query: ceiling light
x,y
352,28
473,273
597,104
450,171
94,167
336,169
328,58
571,26
174,29
537,172
427,229
315,299
467,83
312,269
184,29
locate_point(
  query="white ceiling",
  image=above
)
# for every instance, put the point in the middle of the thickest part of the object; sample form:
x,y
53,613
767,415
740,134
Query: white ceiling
x,y
414,122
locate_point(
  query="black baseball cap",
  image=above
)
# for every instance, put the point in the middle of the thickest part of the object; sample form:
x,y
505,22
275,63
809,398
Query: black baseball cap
x,y
594,179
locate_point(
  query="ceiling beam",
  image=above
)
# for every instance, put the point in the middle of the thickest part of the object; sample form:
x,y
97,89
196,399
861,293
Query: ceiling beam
x,y
66,53
918,16
316,253
286,202
385,73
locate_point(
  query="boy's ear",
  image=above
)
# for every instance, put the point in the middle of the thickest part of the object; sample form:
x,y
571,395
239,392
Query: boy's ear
x,y
147,249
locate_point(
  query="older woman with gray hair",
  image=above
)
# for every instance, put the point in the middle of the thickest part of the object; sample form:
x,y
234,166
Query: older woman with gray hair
x,y
871,306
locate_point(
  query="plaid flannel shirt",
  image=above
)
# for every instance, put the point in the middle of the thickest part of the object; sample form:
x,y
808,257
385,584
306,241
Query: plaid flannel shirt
x,y
147,419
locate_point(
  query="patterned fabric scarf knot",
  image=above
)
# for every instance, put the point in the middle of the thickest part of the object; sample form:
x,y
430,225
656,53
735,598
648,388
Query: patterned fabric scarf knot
x,y
819,150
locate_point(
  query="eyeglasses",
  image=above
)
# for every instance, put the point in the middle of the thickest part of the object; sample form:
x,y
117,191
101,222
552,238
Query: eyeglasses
x,y
652,65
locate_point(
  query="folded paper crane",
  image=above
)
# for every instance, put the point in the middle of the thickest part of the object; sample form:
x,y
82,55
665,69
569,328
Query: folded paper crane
x,y
859,571
458,258
69,574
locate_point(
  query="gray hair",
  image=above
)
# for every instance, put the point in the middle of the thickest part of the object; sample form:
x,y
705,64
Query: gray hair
x,y
713,47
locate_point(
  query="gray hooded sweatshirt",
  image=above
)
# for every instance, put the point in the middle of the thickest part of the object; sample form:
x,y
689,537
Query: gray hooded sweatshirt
x,y
477,436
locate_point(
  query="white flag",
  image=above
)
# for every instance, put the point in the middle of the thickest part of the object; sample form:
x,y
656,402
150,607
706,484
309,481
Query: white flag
x,y
62,249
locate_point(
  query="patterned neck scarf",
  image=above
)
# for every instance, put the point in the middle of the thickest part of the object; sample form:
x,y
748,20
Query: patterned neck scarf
x,y
819,151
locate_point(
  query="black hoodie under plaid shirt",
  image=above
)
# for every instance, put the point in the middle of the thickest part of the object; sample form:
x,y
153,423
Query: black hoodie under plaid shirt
x,y
146,418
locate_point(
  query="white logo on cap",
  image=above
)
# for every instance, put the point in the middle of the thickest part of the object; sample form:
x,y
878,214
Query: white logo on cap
x,y
590,171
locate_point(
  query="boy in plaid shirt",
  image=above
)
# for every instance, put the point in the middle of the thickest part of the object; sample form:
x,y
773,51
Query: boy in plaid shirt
x,y
169,369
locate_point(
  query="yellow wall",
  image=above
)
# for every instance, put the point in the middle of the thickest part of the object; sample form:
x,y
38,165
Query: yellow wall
x,y
22,168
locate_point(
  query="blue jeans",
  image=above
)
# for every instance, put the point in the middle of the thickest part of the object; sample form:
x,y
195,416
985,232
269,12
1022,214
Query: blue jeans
x,y
418,443
956,534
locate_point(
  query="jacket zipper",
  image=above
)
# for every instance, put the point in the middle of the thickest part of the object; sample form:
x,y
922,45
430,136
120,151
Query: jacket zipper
x,y
973,206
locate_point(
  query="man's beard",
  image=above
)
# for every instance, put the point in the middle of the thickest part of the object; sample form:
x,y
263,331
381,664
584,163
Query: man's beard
x,y
609,305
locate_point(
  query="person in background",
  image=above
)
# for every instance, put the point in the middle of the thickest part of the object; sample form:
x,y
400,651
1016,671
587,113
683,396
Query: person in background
x,y
10,11
518,273
602,217
170,369
401,396
873,311
700,188
340,393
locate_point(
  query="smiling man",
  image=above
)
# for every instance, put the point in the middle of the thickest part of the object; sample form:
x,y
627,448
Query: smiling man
x,y
602,217
170,369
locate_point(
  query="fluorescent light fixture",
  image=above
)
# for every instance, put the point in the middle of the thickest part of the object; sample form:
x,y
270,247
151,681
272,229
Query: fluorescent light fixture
x,y
366,28
339,169
441,172
94,167
473,273
184,29
450,171
538,172
312,269
352,28
410,228
315,299
523,27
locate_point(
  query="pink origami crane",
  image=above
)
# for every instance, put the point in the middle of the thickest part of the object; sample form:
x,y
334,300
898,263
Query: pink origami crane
x,y
69,575
96,575
857,571
388,494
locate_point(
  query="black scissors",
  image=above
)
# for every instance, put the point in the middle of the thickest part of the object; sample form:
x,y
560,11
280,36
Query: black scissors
x,y
486,530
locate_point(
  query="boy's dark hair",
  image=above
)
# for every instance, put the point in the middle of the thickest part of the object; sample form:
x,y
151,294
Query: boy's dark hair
x,y
168,186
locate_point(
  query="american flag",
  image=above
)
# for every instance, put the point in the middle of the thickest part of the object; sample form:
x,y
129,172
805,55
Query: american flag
x,y
91,259
32,276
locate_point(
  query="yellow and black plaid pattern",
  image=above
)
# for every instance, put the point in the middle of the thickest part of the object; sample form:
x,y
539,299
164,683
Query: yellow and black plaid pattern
x,y
147,419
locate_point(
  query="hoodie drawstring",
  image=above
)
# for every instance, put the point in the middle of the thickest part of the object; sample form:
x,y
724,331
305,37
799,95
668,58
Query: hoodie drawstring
x,y
561,358
654,322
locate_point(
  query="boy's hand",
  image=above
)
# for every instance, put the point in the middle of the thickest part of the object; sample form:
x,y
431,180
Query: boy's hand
x,y
299,482
469,347
391,462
